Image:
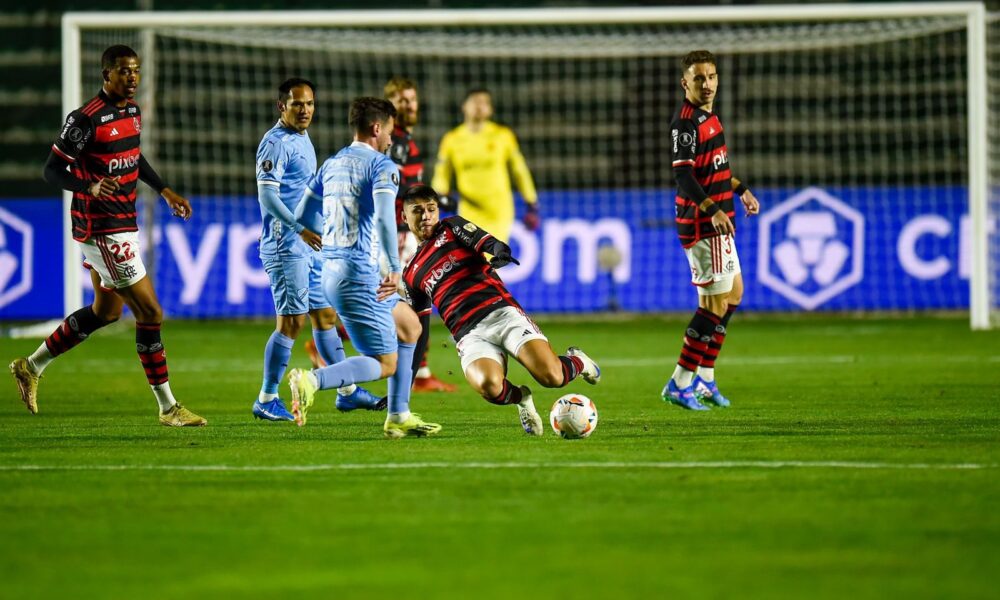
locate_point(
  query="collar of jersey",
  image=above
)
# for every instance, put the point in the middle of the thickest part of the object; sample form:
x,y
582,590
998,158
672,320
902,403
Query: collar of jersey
x,y
357,144
284,127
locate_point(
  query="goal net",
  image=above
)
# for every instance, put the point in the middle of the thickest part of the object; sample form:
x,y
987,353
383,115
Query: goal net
x,y
857,134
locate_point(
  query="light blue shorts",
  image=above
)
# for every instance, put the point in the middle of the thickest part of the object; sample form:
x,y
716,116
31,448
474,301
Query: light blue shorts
x,y
296,283
368,322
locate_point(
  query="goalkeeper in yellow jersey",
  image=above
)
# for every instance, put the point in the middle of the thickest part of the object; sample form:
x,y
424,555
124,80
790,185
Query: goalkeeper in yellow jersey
x,y
483,156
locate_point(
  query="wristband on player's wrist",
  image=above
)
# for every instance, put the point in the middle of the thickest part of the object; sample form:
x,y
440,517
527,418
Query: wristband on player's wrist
x,y
740,190
711,207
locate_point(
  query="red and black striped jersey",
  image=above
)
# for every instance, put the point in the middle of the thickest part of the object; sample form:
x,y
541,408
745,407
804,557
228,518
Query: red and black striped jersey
x,y
450,272
699,144
404,152
99,140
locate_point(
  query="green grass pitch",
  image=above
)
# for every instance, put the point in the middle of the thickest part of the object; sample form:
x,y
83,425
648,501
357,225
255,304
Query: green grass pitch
x,y
859,459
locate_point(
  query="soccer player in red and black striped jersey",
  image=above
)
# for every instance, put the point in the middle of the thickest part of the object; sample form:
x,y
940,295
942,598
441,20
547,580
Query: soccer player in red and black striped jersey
x,y
97,157
450,272
704,204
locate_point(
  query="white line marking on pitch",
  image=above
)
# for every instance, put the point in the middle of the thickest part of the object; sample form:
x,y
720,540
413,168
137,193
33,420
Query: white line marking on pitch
x,y
778,464
232,366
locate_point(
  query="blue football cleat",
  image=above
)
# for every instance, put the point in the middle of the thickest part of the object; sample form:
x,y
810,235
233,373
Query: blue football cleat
x,y
684,398
360,399
709,392
272,411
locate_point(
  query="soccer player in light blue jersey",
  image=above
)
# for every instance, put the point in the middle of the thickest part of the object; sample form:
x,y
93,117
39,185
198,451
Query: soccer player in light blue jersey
x,y
357,190
286,160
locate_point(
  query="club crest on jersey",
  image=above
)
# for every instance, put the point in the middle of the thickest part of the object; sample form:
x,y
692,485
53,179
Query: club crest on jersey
x,y
266,165
137,124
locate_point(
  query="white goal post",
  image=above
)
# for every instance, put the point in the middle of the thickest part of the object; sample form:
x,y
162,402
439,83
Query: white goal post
x,y
978,182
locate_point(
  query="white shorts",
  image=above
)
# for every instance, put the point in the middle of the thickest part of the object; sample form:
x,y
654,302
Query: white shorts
x,y
116,258
502,332
714,264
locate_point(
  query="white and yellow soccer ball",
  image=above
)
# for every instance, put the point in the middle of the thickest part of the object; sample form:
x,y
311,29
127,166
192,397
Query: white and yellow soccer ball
x,y
573,416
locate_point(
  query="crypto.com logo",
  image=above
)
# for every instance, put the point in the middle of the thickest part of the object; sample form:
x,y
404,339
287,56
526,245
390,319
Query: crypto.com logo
x,y
816,243
16,246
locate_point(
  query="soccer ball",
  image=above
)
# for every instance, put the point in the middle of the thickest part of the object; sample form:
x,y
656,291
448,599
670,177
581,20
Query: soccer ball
x,y
573,416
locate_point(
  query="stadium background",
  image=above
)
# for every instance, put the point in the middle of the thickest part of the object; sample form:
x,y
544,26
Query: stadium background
x,y
859,459
603,194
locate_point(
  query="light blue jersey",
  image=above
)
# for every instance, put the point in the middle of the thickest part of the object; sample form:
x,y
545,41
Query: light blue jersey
x,y
347,183
286,159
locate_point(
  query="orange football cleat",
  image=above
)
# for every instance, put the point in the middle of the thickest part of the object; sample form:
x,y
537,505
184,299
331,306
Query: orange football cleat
x,y
433,384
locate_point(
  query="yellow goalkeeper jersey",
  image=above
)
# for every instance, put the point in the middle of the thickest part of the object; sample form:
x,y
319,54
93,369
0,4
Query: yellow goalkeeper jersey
x,y
482,164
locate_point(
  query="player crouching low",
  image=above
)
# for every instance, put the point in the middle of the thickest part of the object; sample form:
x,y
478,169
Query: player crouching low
x,y
450,272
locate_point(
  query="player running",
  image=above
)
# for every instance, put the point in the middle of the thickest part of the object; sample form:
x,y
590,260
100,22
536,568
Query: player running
x,y
357,188
704,206
450,272
100,146
286,160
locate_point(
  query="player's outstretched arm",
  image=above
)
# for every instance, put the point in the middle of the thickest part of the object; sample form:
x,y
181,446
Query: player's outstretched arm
x,y
482,241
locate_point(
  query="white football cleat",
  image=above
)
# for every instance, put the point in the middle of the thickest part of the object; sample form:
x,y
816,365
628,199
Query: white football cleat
x,y
530,419
591,372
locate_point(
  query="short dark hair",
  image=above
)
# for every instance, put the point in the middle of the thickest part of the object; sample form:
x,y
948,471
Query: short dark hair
x,y
695,57
110,57
368,110
419,191
476,90
293,82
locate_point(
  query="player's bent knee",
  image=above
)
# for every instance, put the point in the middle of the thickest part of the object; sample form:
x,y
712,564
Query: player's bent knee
x,y
290,325
490,388
108,315
551,377
149,314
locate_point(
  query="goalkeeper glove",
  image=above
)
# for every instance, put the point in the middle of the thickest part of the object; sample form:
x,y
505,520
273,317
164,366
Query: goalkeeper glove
x,y
502,257
531,218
